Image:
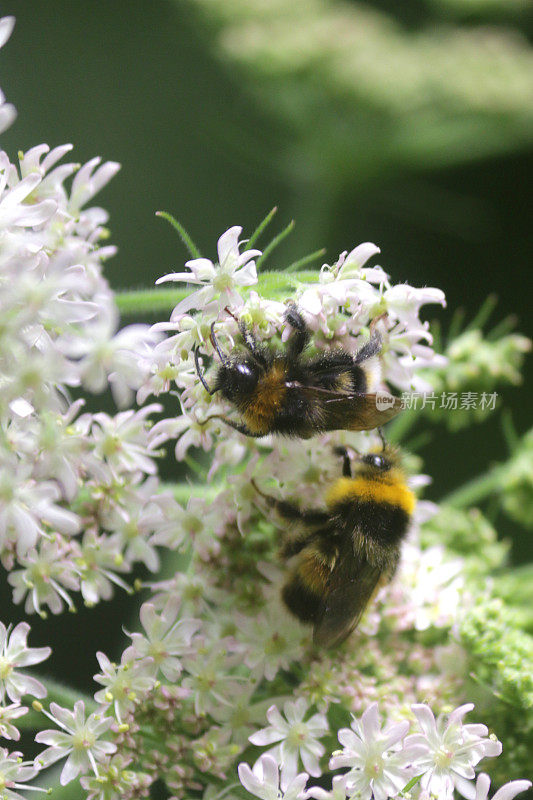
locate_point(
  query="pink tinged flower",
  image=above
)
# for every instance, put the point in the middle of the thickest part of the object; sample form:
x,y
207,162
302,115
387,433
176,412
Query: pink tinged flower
x,y
125,684
380,764
273,640
403,302
14,771
124,442
209,680
7,714
349,265
97,565
297,739
167,639
505,792
450,750
220,280
15,653
79,740
46,574
262,780
27,505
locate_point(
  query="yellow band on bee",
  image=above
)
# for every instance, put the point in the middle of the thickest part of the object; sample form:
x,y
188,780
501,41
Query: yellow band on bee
x,y
364,490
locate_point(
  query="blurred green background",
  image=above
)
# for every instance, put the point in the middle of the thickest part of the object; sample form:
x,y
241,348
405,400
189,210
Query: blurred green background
x,y
408,124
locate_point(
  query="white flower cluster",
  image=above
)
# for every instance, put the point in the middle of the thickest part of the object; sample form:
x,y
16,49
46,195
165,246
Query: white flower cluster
x,y
338,309
381,760
79,498
7,111
81,504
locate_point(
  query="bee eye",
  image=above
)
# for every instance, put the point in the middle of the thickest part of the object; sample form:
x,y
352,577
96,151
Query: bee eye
x,y
378,462
244,371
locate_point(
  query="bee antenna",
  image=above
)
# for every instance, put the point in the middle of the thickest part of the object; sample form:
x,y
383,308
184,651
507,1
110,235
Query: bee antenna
x,y
200,373
215,344
383,440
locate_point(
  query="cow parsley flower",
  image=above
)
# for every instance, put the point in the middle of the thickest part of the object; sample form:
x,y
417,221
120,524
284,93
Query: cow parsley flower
x,y
7,714
505,792
15,653
14,771
379,764
167,639
449,750
298,739
263,781
79,739
220,281
124,684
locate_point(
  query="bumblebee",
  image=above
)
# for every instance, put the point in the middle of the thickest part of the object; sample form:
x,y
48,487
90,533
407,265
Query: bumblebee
x,y
341,556
286,393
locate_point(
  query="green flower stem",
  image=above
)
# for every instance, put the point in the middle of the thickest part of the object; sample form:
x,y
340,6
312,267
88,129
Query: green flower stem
x,y
144,301
475,490
148,301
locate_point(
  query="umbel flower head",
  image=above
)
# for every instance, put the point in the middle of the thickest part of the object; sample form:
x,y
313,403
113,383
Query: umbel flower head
x,y
81,505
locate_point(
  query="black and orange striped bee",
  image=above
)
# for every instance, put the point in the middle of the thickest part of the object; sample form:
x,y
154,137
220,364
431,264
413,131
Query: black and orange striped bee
x,y
340,556
287,393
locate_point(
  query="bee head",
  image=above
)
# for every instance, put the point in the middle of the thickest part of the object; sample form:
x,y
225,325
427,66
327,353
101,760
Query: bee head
x,y
237,379
380,462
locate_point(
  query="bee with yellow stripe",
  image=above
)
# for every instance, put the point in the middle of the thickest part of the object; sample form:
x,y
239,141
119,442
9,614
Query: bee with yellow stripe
x,y
343,554
288,393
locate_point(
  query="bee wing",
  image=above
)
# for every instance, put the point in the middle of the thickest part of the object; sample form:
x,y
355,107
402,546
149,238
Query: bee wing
x,y
354,412
349,589
359,412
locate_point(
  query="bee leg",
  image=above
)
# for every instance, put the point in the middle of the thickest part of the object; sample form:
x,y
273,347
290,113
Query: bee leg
x,y
249,339
293,545
200,373
346,463
214,342
313,516
300,339
237,426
